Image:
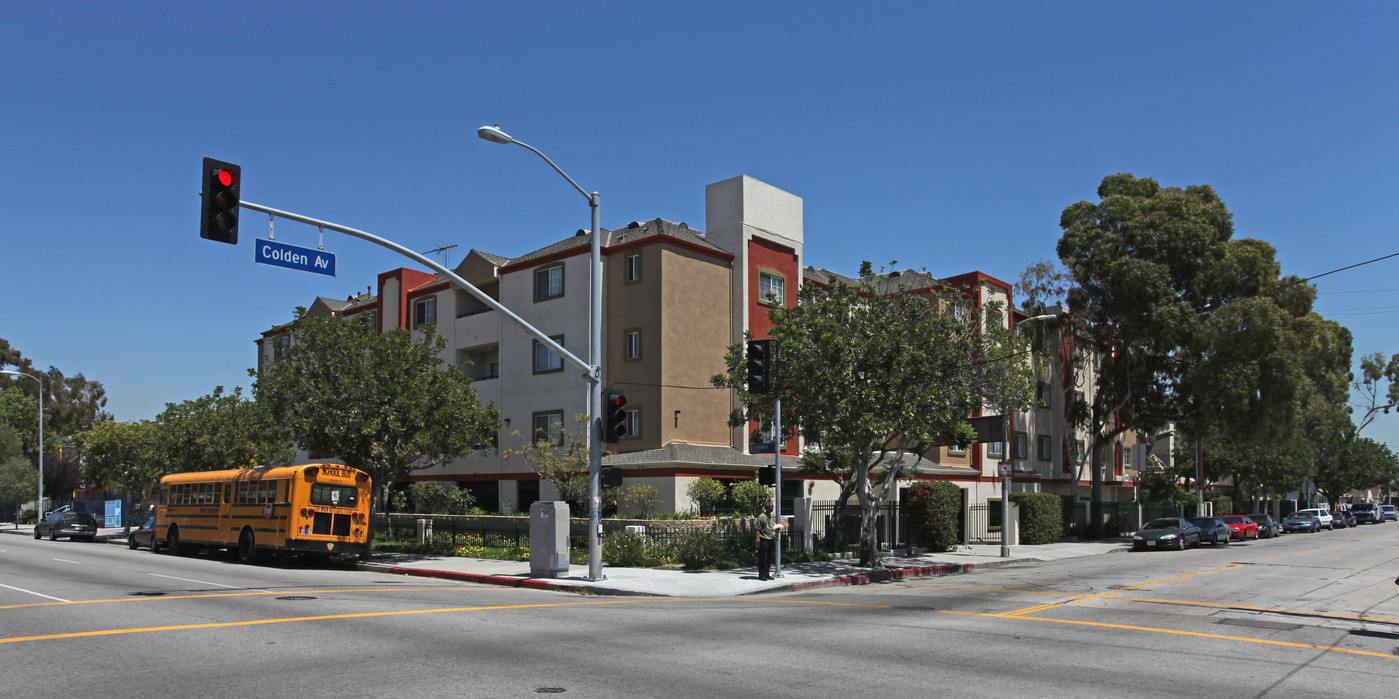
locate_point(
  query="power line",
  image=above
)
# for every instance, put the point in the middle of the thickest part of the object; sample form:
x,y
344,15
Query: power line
x,y
1358,264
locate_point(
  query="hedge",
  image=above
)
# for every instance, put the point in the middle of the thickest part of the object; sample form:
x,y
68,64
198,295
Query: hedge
x,y
1041,517
934,508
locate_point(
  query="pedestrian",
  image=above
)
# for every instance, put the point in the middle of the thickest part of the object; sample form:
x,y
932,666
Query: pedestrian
x,y
766,541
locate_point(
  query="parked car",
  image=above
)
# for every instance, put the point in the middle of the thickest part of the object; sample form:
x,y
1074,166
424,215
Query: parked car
x,y
1343,518
1301,521
1241,527
1367,513
142,536
1167,532
1267,526
1323,515
1212,529
74,525
1391,513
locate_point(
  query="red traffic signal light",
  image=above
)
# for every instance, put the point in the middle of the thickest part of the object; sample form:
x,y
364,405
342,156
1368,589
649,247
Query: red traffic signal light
x,y
614,415
219,215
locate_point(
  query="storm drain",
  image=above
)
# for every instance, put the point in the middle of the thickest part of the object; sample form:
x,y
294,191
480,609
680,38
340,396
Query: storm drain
x,y
1390,635
549,690
295,598
1260,624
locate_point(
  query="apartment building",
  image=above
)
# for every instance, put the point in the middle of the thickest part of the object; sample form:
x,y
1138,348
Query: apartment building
x,y
674,298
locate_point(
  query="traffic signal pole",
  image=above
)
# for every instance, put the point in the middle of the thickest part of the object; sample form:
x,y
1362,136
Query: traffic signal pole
x,y
777,485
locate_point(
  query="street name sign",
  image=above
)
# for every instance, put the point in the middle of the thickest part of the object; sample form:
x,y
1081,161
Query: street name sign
x,y
763,448
271,252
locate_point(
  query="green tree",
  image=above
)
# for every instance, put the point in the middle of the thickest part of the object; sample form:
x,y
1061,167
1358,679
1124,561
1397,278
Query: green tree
x,y
1193,327
382,403
640,500
126,455
20,412
751,496
563,464
1344,465
19,480
707,493
889,369
221,431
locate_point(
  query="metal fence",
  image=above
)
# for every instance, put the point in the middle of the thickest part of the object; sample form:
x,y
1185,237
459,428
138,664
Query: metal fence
x,y
840,532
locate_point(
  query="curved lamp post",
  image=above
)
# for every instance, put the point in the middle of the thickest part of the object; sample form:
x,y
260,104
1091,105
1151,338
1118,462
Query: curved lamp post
x,y
1008,461
41,434
495,135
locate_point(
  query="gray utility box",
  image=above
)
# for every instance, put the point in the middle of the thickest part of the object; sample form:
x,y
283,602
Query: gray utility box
x,y
548,539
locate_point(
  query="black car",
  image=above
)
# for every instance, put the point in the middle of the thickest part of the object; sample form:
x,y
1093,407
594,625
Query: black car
x,y
1344,518
1367,513
74,525
142,536
1166,532
1267,526
1212,529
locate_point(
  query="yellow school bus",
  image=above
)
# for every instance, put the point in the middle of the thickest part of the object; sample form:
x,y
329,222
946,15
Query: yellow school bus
x,y
318,509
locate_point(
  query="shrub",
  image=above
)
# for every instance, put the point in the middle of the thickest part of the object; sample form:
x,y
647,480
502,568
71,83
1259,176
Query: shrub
x,y
1223,505
933,509
29,517
625,549
1041,517
707,493
641,500
750,496
696,549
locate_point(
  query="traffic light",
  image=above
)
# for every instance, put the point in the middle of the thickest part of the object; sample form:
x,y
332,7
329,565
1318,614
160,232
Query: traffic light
x,y
219,219
614,415
612,477
760,366
767,475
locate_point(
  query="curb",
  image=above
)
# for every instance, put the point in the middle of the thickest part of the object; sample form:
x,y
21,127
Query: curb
x,y
872,577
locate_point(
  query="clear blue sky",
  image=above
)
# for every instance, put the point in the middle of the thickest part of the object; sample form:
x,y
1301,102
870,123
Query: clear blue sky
x,y
944,136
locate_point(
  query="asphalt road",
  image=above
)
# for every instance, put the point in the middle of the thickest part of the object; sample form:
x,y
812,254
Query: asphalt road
x,y
1304,615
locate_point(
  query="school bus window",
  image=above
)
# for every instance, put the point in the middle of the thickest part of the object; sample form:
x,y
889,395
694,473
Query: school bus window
x,y
334,495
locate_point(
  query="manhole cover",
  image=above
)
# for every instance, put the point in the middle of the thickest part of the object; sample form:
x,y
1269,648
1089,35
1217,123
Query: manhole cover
x,y
295,598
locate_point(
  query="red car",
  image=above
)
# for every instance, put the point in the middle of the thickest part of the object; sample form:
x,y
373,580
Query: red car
x,y
1241,527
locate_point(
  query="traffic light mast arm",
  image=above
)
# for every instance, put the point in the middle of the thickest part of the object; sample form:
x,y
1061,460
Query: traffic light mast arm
x,y
449,274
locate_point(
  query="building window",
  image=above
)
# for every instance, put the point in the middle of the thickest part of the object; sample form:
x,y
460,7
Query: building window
x,y
955,450
633,344
547,360
425,312
279,346
633,273
1042,394
374,319
548,283
633,422
1079,451
996,450
1044,447
994,319
1022,446
549,427
772,289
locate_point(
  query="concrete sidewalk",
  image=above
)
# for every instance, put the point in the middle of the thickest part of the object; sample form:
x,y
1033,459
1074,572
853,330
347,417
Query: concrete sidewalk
x,y
706,583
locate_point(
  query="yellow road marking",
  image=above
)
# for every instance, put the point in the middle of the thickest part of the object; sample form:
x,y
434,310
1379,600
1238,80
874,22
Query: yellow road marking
x,y
989,589
1278,610
1196,634
366,615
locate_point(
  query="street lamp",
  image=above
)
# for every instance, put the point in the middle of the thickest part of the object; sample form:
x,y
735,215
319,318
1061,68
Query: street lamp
x,y
41,434
495,135
1007,465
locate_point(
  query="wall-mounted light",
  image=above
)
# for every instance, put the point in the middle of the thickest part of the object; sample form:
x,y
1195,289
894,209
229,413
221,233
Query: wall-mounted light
x,y
677,418
507,422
